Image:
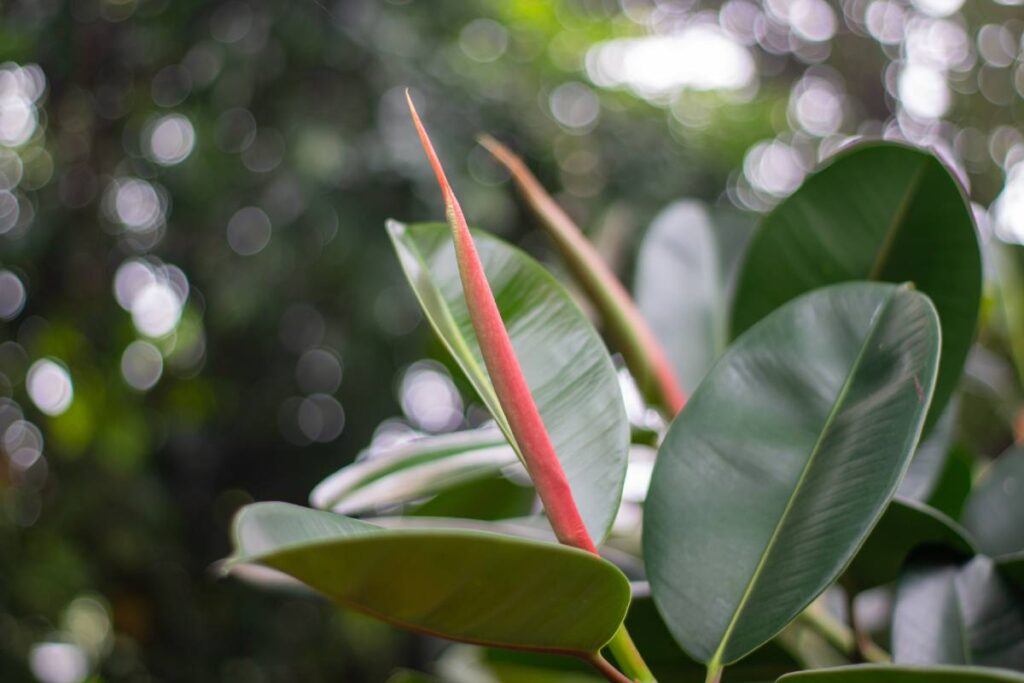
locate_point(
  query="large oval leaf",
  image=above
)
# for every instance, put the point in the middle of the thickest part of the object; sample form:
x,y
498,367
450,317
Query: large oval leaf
x,y
907,525
462,585
904,674
951,614
783,461
995,510
877,211
565,362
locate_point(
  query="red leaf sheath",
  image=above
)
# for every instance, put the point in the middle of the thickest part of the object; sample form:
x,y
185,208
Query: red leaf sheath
x,y
507,376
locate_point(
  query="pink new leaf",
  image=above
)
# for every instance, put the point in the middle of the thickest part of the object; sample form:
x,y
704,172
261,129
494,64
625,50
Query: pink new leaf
x,y
506,375
632,335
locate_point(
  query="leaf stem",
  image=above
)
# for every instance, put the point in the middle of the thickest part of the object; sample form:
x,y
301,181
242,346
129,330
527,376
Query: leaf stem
x,y
606,669
628,657
640,348
843,638
715,669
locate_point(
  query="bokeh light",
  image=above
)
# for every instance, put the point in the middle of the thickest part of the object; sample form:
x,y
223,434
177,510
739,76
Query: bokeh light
x,y
142,365
12,295
170,139
49,386
429,397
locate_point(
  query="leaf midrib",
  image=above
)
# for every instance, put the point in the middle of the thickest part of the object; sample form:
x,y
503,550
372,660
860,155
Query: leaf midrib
x,y
882,256
840,399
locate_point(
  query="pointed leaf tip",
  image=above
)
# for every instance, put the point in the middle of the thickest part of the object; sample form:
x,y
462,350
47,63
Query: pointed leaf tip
x,y
395,228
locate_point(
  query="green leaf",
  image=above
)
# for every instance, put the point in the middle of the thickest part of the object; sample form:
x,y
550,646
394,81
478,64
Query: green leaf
x,y
686,259
679,289
462,585
995,510
906,525
951,614
383,477
565,362
904,674
954,483
784,460
877,211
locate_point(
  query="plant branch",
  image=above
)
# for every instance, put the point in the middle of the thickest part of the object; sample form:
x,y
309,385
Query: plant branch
x,y
631,333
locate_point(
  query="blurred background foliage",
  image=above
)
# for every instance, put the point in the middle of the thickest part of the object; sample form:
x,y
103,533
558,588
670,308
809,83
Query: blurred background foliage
x,y
199,306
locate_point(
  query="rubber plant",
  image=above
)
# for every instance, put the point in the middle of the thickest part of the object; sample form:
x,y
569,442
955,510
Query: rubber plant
x,y
779,485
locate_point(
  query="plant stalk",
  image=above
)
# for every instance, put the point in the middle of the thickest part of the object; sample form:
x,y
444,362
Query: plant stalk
x,y
632,335
628,657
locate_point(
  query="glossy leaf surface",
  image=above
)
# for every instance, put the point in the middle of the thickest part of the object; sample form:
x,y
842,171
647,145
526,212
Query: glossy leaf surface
x,y
951,614
457,584
383,477
784,460
995,509
904,674
906,525
877,211
679,289
565,362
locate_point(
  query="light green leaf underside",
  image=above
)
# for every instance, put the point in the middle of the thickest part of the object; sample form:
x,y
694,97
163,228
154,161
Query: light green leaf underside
x,y
904,674
383,477
566,365
462,585
784,460
876,211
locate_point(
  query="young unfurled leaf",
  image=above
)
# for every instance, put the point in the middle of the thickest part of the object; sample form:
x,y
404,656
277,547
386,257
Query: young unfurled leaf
x,y
462,585
783,461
